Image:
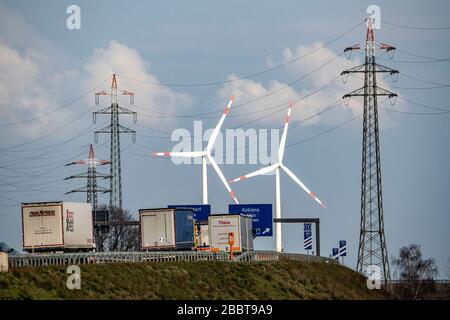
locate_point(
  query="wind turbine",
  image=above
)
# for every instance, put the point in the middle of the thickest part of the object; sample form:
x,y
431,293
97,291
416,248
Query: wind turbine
x,y
276,167
206,155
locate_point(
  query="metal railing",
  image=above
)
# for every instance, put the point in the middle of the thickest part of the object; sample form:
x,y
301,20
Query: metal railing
x,y
34,260
59,259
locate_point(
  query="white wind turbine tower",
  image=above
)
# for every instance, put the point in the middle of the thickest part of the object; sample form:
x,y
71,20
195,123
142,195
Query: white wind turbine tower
x,y
277,166
206,155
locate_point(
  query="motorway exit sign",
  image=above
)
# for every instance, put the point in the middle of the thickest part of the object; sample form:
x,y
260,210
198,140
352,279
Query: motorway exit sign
x,y
261,215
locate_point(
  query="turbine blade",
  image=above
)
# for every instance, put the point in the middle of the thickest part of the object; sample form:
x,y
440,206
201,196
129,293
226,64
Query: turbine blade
x,y
216,130
256,173
300,183
284,136
186,154
222,177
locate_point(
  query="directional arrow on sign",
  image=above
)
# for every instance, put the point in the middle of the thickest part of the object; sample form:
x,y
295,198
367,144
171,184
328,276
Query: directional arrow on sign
x,y
266,231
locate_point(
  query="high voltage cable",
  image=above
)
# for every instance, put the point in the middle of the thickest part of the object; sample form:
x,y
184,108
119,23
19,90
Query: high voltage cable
x,y
248,76
56,110
419,56
324,132
294,102
414,27
44,172
59,145
47,134
421,88
424,81
290,84
426,61
416,113
27,187
423,105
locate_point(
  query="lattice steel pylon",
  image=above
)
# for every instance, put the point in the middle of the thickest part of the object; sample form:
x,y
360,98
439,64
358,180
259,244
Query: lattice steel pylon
x,y
115,129
372,250
91,189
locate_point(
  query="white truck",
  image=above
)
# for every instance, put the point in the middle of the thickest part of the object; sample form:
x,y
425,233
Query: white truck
x,y
57,226
220,227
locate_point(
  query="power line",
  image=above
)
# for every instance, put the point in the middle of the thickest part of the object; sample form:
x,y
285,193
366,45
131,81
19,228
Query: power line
x,y
419,56
424,81
47,134
414,27
248,76
54,111
288,85
324,132
423,105
421,88
417,113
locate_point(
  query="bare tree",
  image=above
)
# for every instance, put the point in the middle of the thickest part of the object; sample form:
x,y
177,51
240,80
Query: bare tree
x,y
416,275
119,237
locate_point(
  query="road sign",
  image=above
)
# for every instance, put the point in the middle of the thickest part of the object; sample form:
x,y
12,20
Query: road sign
x,y
261,214
342,248
335,253
307,236
201,211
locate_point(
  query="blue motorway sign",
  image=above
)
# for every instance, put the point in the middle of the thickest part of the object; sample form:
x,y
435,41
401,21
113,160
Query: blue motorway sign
x,y
261,214
342,248
307,236
201,211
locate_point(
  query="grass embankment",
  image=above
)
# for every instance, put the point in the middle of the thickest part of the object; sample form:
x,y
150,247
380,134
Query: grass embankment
x,y
191,280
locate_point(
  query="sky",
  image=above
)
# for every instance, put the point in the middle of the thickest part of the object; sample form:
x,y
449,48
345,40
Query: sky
x,y
183,60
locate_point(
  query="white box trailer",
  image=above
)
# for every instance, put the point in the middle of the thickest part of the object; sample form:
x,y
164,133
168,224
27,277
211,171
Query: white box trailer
x,y
221,225
56,226
167,229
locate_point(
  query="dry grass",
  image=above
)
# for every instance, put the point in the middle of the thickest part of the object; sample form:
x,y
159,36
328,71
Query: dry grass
x,y
191,280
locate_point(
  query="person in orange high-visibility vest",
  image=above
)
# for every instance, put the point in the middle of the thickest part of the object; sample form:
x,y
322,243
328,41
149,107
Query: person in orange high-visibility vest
x,y
231,243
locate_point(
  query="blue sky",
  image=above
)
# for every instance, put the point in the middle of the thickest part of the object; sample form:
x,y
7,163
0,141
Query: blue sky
x,y
44,66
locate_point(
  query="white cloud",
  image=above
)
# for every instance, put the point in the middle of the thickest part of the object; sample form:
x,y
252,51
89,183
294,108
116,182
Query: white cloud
x,y
323,65
22,86
122,60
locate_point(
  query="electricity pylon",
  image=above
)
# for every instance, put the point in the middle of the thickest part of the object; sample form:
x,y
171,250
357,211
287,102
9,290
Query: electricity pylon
x,y
115,129
91,189
372,250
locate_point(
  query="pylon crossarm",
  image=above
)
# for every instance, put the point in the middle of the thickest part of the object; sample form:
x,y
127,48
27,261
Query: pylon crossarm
x,y
103,189
125,110
77,190
361,93
81,175
102,175
123,129
381,68
353,48
106,129
106,110
357,69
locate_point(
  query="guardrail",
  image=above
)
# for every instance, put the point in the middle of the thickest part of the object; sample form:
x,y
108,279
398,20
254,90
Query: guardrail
x,y
34,260
55,259
251,256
